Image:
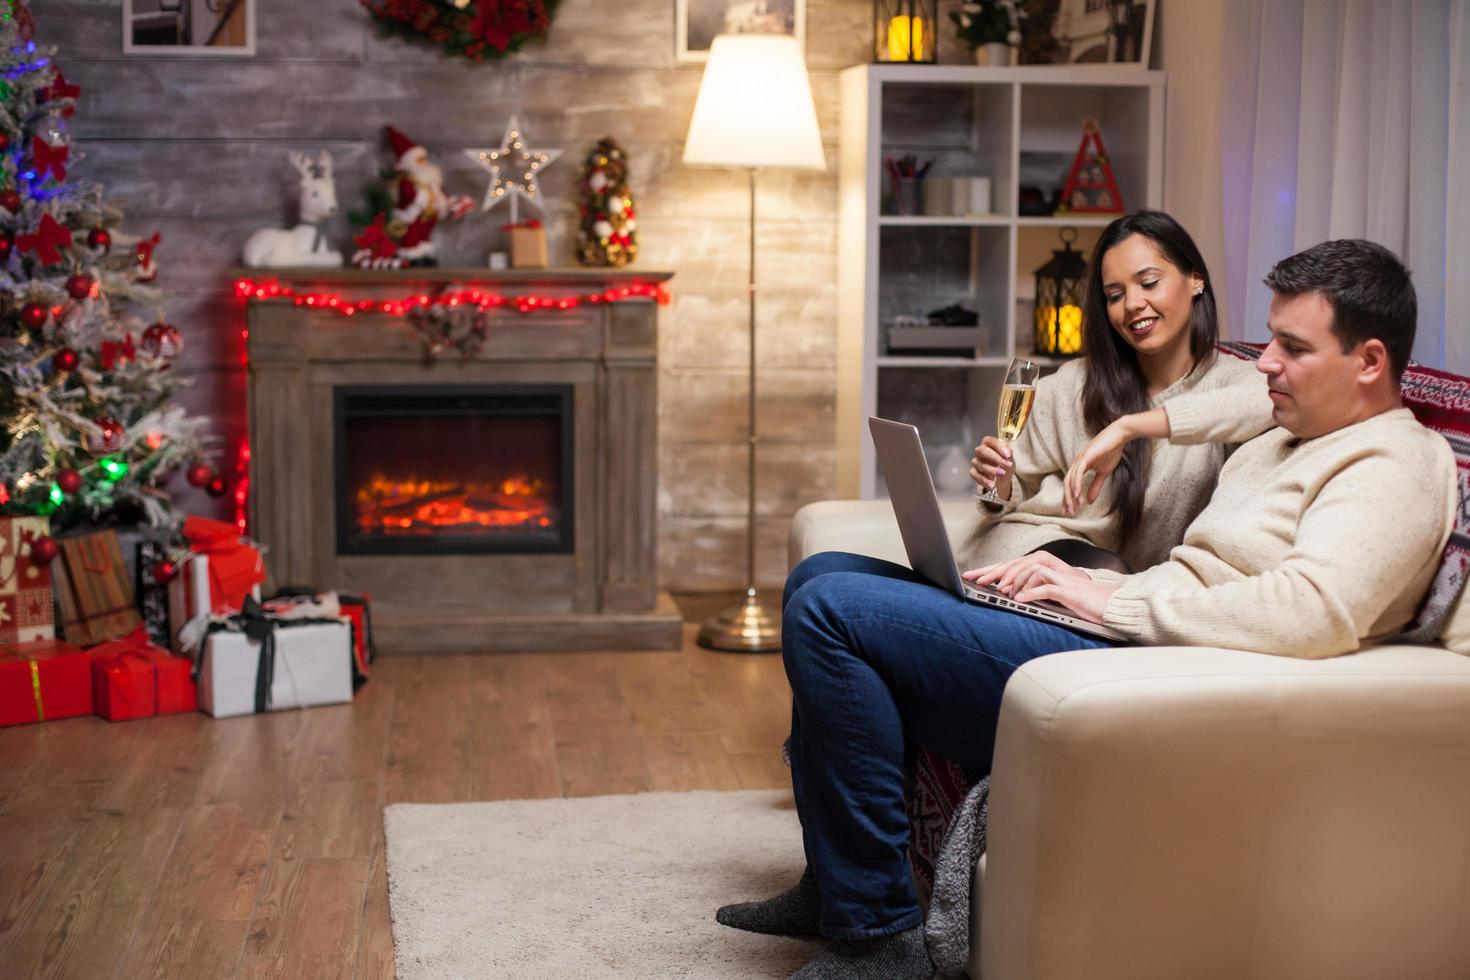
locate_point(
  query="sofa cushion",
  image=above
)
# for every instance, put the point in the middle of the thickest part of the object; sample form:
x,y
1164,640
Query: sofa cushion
x,y
1441,401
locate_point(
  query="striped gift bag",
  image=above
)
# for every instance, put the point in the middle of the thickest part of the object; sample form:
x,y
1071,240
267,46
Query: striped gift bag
x,y
94,594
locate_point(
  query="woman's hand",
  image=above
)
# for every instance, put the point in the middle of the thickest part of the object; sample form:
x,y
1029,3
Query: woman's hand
x,y
991,467
1101,457
1043,576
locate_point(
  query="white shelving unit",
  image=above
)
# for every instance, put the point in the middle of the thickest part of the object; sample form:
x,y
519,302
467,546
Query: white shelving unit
x,y
970,121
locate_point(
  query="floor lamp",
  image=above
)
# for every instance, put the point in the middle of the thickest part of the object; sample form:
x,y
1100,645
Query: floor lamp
x,y
754,110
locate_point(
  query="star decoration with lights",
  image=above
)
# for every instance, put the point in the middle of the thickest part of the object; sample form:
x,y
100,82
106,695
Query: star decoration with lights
x,y
513,167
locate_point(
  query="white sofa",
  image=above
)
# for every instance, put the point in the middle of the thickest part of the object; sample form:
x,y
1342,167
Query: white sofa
x,y
1192,814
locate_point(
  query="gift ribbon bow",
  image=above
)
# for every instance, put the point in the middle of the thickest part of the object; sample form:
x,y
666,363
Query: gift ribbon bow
x,y
258,627
47,240
46,157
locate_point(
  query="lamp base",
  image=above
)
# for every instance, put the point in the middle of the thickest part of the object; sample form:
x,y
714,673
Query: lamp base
x,y
747,628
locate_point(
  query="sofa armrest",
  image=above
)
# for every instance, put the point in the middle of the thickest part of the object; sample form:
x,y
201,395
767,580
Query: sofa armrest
x,y
1176,812
865,527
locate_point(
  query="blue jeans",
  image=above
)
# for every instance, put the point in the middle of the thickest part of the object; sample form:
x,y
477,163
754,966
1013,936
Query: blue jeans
x,y
877,656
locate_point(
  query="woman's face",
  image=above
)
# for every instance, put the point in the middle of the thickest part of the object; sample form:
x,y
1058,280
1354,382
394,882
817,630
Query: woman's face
x,y
1149,299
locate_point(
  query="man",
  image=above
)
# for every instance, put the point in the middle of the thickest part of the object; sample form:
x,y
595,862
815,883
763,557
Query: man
x,y
1311,546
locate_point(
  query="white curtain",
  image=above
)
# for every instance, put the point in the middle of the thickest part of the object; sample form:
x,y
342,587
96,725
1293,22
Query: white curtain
x,y
1351,119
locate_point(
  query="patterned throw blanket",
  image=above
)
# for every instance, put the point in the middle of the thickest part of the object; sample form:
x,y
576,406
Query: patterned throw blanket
x,y
947,808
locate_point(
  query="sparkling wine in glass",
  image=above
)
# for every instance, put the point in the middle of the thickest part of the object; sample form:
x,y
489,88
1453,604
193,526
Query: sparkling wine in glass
x,y
1016,396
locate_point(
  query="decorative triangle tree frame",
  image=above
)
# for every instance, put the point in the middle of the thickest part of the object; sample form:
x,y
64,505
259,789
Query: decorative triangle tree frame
x,y
1084,192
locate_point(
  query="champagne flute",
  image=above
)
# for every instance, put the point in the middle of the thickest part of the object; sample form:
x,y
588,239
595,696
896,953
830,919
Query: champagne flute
x,y
1016,396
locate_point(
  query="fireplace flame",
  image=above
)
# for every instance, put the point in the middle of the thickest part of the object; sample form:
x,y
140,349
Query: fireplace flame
x,y
398,506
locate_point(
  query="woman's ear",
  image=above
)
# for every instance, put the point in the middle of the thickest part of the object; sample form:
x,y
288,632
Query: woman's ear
x,y
1196,284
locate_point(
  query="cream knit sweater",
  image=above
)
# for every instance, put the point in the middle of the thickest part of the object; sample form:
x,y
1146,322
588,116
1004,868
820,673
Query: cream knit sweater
x,y
1308,548
1209,410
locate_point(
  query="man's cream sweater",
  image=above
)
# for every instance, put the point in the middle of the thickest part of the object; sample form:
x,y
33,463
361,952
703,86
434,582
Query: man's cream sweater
x,y
1210,409
1308,548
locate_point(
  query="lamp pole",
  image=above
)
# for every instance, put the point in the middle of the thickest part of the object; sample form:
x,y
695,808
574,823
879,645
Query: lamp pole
x,y
749,627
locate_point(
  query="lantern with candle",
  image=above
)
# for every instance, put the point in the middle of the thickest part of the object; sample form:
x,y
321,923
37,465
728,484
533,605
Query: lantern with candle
x,y
904,30
1059,285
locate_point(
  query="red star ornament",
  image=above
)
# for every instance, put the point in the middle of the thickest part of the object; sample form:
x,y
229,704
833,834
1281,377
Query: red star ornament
x,y
46,241
47,157
111,352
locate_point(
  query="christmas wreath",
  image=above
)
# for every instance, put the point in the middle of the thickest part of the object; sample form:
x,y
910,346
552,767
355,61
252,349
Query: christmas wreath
x,y
474,29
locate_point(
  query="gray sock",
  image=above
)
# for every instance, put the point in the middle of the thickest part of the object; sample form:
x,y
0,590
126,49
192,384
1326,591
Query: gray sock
x,y
901,956
794,912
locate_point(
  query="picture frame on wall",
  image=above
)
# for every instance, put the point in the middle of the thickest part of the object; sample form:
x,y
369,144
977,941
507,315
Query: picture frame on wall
x,y
189,28
1104,32
696,22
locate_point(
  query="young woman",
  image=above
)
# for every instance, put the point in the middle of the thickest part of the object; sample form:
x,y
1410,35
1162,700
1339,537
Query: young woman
x,y
1150,327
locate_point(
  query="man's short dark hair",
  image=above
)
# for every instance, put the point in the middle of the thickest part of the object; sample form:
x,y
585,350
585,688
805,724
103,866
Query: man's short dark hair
x,y
1367,287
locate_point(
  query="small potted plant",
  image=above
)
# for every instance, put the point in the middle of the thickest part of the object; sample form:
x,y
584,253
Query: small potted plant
x,y
992,28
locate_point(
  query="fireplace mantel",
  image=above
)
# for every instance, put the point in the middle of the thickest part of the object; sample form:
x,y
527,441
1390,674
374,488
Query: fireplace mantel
x,y
602,595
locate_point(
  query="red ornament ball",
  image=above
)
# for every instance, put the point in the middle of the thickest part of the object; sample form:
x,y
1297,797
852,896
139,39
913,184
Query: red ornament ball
x,y
44,549
216,487
65,360
99,238
10,200
34,315
70,481
4,494
4,141
199,474
80,286
164,572
163,340
5,244
109,437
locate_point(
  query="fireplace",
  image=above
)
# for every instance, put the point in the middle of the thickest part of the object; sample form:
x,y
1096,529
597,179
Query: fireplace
x,y
503,500
454,469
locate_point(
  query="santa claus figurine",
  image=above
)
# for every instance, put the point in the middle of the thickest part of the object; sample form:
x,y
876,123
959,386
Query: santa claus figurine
x,y
403,235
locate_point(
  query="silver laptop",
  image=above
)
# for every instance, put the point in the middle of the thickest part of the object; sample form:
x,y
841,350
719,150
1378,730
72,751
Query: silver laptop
x,y
915,504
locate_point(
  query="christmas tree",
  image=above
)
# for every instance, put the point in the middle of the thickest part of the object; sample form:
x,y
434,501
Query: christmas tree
x,y
608,232
88,428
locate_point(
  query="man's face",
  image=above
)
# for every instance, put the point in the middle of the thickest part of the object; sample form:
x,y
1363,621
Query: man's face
x,y
1314,385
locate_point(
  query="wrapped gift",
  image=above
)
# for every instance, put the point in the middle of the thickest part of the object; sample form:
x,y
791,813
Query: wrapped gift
x,y
26,608
43,681
527,245
253,662
194,592
132,678
94,595
235,566
295,603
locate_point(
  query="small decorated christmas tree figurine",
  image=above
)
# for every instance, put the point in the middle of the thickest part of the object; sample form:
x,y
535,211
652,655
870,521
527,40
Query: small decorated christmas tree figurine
x,y
88,425
608,234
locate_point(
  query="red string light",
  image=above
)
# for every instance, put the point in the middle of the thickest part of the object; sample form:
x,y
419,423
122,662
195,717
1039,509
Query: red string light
x,y
269,289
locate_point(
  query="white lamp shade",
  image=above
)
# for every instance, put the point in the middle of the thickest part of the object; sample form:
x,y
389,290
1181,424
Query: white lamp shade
x,y
754,107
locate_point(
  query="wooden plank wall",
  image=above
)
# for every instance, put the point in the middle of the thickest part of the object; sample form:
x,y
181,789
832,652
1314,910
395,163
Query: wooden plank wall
x,y
196,148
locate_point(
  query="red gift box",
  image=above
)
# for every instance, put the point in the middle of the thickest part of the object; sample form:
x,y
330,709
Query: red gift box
x,y
131,678
235,567
43,681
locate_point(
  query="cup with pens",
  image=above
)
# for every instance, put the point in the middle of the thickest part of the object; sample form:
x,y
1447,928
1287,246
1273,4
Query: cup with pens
x,y
906,179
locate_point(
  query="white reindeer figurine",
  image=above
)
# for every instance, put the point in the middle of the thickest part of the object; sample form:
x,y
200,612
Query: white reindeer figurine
x,y
306,244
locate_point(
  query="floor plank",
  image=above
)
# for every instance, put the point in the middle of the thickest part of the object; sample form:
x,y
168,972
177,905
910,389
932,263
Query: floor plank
x,y
253,847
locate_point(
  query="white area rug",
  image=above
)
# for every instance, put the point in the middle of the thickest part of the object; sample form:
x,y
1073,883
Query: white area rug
x,y
600,887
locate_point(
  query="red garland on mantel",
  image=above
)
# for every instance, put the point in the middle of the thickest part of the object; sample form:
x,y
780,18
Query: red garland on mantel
x,y
251,289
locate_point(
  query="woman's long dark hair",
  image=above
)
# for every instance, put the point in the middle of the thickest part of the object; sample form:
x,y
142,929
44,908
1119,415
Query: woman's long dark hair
x,y
1115,384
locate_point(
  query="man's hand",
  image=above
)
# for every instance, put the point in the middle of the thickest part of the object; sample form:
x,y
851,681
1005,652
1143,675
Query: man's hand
x,y
991,466
1043,576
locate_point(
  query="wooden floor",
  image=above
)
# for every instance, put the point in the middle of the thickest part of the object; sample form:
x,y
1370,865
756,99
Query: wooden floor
x,y
253,847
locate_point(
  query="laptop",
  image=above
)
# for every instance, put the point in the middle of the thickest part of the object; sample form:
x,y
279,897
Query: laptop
x,y
916,505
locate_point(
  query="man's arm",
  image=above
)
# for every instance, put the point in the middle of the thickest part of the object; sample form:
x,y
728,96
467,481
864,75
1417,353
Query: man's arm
x,y
1354,551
